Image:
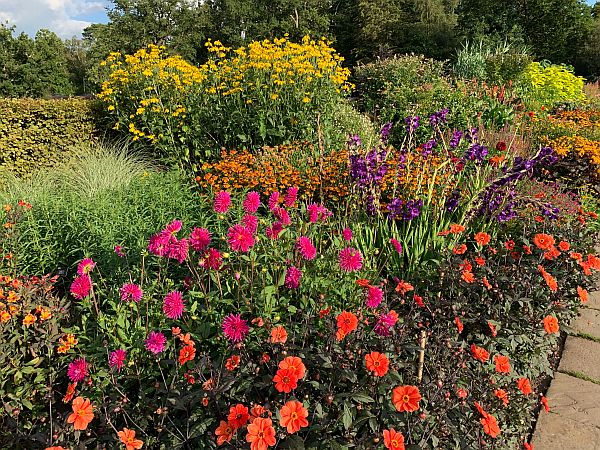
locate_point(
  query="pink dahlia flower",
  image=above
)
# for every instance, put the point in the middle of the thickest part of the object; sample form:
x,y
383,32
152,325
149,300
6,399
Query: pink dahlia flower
x,y
240,238
384,324
283,216
250,222
374,297
173,305
119,251
350,260
117,358
200,239
172,228
77,370
317,213
397,245
306,248
155,342
222,202
251,202
292,277
131,292
178,249
347,234
85,266
290,197
273,200
274,230
235,328
81,286
212,259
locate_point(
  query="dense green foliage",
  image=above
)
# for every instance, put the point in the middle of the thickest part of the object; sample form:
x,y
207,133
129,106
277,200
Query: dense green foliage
x,y
40,133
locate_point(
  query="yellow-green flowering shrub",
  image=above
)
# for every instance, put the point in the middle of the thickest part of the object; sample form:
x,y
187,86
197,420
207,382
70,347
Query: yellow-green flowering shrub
x,y
547,84
268,92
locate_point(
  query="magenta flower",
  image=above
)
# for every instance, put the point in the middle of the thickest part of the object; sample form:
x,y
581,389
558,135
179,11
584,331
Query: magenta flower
x,y
240,238
173,305
273,200
274,230
290,197
81,286
200,239
222,202
317,213
178,249
350,260
155,342
250,222
85,266
251,202
131,292
117,358
306,248
158,244
374,297
397,245
77,370
292,277
283,216
119,251
235,328
212,259
384,324
347,234
172,228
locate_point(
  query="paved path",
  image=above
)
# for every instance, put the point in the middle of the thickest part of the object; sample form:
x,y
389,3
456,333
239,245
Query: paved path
x,y
573,422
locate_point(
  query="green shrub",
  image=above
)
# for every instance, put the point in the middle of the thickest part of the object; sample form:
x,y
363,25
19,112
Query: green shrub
x,y
42,133
79,209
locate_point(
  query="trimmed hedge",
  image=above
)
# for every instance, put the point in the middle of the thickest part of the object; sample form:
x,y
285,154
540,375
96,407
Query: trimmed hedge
x,y
36,133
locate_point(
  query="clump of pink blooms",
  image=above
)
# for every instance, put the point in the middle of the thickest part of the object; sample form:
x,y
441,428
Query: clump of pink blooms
x,y
292,277
374,296
81,286
318,213
306,248
235,328
347,234
200,239
240,238
85,266
222,202
166,244
251,203
290,196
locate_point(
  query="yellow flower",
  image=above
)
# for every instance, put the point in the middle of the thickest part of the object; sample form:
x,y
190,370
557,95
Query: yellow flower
x,y
29,319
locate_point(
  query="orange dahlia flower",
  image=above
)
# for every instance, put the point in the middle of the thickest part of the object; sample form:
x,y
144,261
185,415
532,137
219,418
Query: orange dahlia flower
x,y
238,416
480,353
295,365
406,398
393,440
347,322
482,238
544,241
377,363
502,364
551,324
285,381
261,434
127,437
524,386
82,414
583,294
293,416
224,432
278,335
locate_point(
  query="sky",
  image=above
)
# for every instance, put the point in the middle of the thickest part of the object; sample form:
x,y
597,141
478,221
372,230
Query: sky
x,y
67,18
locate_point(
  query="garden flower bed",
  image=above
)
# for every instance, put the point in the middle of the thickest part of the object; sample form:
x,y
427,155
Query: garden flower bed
x,y
406,296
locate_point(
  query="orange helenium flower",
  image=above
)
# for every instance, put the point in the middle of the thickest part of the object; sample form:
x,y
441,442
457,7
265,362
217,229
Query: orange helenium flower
x,y
502,364
127,437
455,228
294,365
490,425
404,287
551,324
543,241
82,414
285,381
261,434
278,335
347,322
377,363
459,249
406,398
224,432
479,353
393,440
293,416
502,395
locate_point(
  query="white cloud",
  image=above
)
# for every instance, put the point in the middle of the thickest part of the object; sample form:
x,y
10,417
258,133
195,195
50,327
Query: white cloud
x,y
65,17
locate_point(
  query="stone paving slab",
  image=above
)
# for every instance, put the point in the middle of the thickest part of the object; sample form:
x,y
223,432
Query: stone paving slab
x,y
593,300
588,322
583,356
574,418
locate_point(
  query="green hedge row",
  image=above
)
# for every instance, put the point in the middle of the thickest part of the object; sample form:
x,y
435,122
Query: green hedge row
x,y
37,133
